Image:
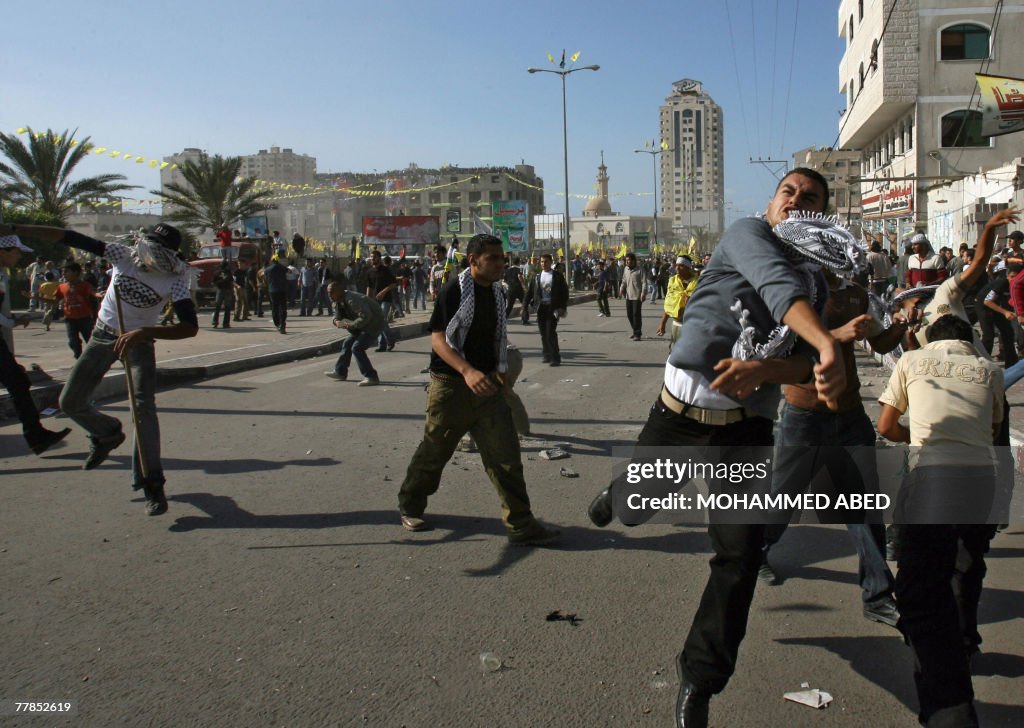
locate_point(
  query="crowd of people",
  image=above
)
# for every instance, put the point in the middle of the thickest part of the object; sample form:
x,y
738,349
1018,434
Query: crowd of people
x,y
769,319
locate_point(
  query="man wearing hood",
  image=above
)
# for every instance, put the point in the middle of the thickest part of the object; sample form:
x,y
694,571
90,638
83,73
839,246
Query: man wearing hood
x,y
145,277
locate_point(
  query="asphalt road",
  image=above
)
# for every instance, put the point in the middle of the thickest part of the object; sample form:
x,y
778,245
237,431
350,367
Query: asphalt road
x,y
280,590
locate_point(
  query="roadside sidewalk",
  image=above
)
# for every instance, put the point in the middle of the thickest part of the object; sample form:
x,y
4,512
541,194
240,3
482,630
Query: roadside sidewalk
x,y
214,352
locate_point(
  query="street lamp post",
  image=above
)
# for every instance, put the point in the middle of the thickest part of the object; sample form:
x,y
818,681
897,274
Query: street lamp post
x,y
565,142
654,152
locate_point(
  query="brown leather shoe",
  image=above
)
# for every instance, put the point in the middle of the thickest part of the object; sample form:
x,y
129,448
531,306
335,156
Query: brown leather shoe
x,y
413,523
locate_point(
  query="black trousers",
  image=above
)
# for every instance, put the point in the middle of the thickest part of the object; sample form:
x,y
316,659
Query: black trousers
x,y
708,658
16,382
279,307
602,304
514,294
633,314
991,322
941,569
548,325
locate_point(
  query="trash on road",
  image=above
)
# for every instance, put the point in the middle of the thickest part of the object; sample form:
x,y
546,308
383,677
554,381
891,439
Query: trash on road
x,y
568,473
557,616
555,453
490,662
814,698
566,381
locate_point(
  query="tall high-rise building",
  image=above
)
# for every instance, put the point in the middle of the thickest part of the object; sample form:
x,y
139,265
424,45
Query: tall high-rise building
x,y
692,168
282,166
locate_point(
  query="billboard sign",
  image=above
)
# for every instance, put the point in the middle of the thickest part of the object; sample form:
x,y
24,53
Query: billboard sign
x,y
641,244
411,234
510,220
453,221
898,199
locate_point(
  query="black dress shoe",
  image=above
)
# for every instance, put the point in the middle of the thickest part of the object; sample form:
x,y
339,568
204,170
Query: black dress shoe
x,y
600,509
691,706
100,449
48,440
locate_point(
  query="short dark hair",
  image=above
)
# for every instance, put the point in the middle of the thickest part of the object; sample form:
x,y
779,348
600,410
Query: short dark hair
x,y
810,174
73,266
478,242
950,328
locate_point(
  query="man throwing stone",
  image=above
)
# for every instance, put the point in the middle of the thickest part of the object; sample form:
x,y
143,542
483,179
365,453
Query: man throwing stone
x,y
467,364
145,277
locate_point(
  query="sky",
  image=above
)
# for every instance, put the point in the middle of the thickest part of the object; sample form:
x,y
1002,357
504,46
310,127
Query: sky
x,y
377,85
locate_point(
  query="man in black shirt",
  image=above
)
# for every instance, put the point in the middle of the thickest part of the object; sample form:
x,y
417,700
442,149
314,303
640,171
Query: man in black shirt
x,y
549,289
467,365
380,282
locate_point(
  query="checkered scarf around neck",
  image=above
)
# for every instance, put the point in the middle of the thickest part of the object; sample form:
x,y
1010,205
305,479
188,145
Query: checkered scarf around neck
x,y
154,257
457,329
821,239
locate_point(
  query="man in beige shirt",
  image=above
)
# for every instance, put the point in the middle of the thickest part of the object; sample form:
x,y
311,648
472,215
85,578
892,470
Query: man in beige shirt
x,y
955,399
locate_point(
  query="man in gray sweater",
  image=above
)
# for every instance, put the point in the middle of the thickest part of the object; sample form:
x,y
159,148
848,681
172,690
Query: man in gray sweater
x,y
633,289
715,395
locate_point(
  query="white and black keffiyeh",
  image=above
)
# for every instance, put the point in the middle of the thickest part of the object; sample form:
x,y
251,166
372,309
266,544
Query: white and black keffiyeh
x,y
458,327
920,292
821,239
153,256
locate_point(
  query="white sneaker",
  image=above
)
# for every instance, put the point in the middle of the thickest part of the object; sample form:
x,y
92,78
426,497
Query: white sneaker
x,y
600,315
369,382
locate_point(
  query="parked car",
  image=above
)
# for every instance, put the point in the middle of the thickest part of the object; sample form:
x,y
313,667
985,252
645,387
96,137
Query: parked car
x,y
207,263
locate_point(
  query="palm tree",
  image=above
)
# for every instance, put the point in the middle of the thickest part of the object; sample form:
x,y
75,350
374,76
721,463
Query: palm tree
x,y
213,195
37,177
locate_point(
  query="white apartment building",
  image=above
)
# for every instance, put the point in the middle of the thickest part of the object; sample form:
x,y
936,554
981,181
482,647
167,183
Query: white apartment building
x,y
692,178
837,166
912,102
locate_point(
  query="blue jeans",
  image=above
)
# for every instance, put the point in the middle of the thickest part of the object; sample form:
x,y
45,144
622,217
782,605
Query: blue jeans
x,y
307,299
85,376
419,295
842,443
1013,374
79,330
386,338
356,345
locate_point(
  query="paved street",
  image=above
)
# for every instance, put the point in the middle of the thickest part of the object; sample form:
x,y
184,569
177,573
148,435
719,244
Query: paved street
x,y
280,590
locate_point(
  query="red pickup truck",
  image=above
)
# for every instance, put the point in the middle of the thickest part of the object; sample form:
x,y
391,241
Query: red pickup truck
x,y
207,264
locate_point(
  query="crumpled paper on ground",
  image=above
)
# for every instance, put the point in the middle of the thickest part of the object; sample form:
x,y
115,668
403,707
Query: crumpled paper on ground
x,y
814,698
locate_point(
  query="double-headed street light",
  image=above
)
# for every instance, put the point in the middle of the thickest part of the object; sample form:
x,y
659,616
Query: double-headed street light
x,y
654,151
563,72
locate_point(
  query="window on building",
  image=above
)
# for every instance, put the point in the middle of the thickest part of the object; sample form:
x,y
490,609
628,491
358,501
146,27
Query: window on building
x,y
454,197
860,9
435,198
964,41
600,227
851,28
474,196
962,128
619,227
494,195
495,179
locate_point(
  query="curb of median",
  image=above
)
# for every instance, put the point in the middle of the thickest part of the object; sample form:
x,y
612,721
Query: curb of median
x,y
168,376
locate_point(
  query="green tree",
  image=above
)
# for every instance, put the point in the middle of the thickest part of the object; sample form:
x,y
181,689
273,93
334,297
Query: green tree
x,y
212,195
37,176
